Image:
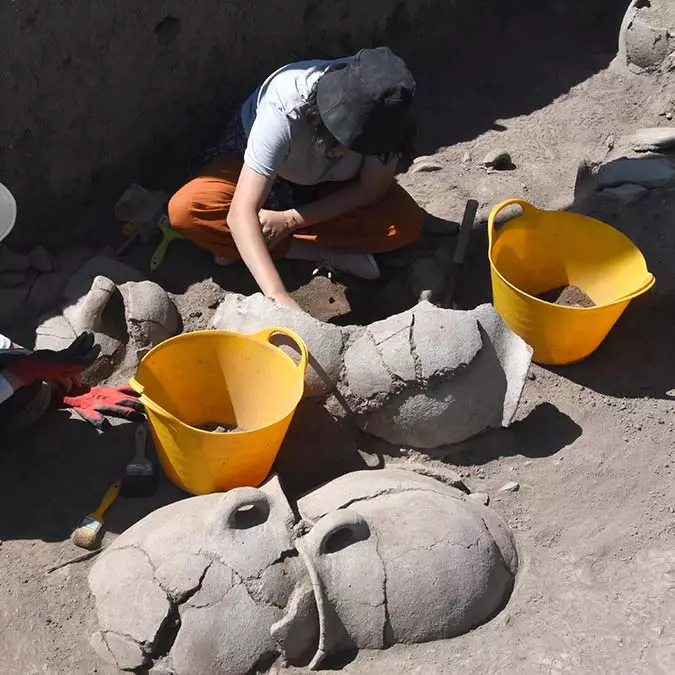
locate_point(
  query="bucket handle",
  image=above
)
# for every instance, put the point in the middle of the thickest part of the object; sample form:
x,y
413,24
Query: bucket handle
x,y
266,335
526,206
148,402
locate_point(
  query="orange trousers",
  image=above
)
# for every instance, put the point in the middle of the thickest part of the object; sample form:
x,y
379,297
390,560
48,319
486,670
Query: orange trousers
x,y
199,212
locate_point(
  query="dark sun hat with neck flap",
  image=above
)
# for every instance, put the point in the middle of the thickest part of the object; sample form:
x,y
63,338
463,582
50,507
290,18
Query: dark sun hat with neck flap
x,y
366,104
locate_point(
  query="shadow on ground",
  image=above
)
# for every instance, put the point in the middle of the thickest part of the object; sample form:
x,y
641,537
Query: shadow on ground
x,y
57,472
544,432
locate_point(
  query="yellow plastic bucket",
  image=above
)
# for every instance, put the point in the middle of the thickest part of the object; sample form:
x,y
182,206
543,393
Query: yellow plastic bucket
x,y
542,250
229,378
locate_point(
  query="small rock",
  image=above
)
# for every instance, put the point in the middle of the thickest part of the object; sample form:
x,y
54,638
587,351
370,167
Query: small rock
x,y
426,167
40,260
669,116
466,157
481,498
650,172
195,315
12,279
11,261
610,141
628,193
531,377
510,486
655,139
497,159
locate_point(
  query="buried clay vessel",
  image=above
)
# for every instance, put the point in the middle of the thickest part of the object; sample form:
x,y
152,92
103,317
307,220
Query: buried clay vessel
x,y
232,582
424,378
126,313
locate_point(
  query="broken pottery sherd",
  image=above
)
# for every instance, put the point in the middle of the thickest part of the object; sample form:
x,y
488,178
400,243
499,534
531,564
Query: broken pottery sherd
x,y
126,318
229,583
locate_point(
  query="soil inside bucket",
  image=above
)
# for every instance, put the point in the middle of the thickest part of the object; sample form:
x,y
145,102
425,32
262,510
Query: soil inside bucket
x,y
567,296
219,427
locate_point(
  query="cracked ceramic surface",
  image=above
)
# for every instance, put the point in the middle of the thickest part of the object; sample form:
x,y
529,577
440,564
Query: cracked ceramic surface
x,y
230,583
126,314
423,378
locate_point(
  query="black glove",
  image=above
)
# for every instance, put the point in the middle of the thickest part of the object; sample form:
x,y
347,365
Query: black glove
x,y
48,365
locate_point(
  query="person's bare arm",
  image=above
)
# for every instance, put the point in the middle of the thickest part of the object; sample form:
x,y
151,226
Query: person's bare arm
x,y
244,223
372,184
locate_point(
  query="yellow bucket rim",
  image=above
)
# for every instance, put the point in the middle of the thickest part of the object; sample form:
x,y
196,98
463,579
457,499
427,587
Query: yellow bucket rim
x,y
647,284
263,337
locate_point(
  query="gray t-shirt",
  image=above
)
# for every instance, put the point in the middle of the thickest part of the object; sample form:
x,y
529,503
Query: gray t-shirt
x,y
280,141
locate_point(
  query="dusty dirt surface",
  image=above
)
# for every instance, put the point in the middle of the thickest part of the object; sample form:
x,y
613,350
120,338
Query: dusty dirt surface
x,y
567,296
220,427
592,447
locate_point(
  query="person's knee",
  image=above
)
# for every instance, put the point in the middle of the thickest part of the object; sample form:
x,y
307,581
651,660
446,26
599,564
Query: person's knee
x,y
181,208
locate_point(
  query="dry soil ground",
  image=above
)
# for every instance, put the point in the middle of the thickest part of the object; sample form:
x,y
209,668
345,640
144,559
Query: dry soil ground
x,y
592,447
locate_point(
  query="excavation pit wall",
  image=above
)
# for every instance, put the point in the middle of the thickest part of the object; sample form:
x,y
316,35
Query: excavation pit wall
x,y
100,94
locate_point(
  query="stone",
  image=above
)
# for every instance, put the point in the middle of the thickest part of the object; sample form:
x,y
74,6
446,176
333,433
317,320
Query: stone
x,y
99,266
13,279
628,193
324,341
40,260
426,167
497,159
46,291
480,497
10,261
510,486
655,139
370,559
466,157
649,172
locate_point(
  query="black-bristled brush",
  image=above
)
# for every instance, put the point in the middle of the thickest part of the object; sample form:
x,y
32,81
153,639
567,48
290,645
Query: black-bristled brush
x,y
140,477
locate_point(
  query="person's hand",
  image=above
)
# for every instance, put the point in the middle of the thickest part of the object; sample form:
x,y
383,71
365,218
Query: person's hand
x,y
48,365
286,300
276,226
